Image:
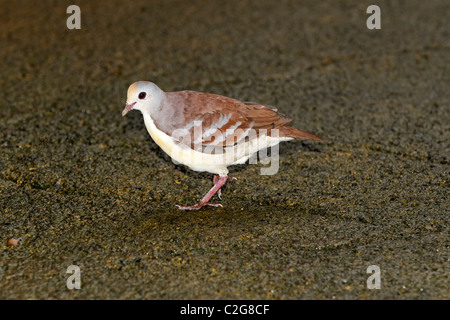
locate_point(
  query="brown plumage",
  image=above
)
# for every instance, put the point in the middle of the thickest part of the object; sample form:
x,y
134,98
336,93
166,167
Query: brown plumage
x,y
210,108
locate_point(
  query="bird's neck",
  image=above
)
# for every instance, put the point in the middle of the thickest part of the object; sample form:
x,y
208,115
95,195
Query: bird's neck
x,y
166,115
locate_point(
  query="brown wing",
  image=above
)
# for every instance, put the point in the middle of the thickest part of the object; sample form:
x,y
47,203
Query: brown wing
x,y
226,121
218,121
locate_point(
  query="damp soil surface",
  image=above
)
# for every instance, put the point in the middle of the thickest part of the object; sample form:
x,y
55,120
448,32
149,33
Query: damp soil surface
x,y
80,185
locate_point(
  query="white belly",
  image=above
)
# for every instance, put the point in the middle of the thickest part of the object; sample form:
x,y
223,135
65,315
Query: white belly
x,y
214,163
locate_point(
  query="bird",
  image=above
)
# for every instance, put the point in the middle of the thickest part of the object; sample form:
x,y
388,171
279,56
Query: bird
x,y
208,132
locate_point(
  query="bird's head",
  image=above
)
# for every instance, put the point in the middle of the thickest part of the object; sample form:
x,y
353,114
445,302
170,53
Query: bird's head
x,y
143,96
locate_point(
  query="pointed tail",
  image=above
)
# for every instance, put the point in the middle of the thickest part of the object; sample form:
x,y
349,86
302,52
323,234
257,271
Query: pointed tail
x,y
288,131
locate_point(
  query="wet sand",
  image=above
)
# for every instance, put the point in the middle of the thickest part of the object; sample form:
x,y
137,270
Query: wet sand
x,y
80,185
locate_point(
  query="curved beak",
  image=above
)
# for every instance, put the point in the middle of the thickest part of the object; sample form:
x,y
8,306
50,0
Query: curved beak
x,y
128,108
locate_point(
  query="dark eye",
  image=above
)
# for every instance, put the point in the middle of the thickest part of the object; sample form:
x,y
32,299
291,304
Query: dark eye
x,y
142,95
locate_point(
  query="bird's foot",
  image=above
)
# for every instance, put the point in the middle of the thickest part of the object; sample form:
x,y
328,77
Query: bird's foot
x,y
218,183
199,206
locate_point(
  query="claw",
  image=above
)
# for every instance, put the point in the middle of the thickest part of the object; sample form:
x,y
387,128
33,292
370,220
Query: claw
x,y
218,183
199,206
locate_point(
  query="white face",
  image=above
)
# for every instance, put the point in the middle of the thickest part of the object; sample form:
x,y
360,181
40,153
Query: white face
x,y
142,96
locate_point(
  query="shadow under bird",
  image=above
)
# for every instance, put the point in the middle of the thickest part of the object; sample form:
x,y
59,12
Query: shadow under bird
x,y
208,132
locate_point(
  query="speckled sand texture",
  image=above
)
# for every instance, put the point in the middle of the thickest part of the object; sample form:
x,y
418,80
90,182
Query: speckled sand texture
x,y
81,185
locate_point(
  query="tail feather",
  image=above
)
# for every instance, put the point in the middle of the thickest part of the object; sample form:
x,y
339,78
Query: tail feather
x,y
291,132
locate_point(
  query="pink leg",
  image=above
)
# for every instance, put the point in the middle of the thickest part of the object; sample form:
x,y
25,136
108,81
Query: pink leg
x,y
218,183
219,192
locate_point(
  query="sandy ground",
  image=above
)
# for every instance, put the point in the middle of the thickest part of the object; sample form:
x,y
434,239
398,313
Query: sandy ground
x,y
80,185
